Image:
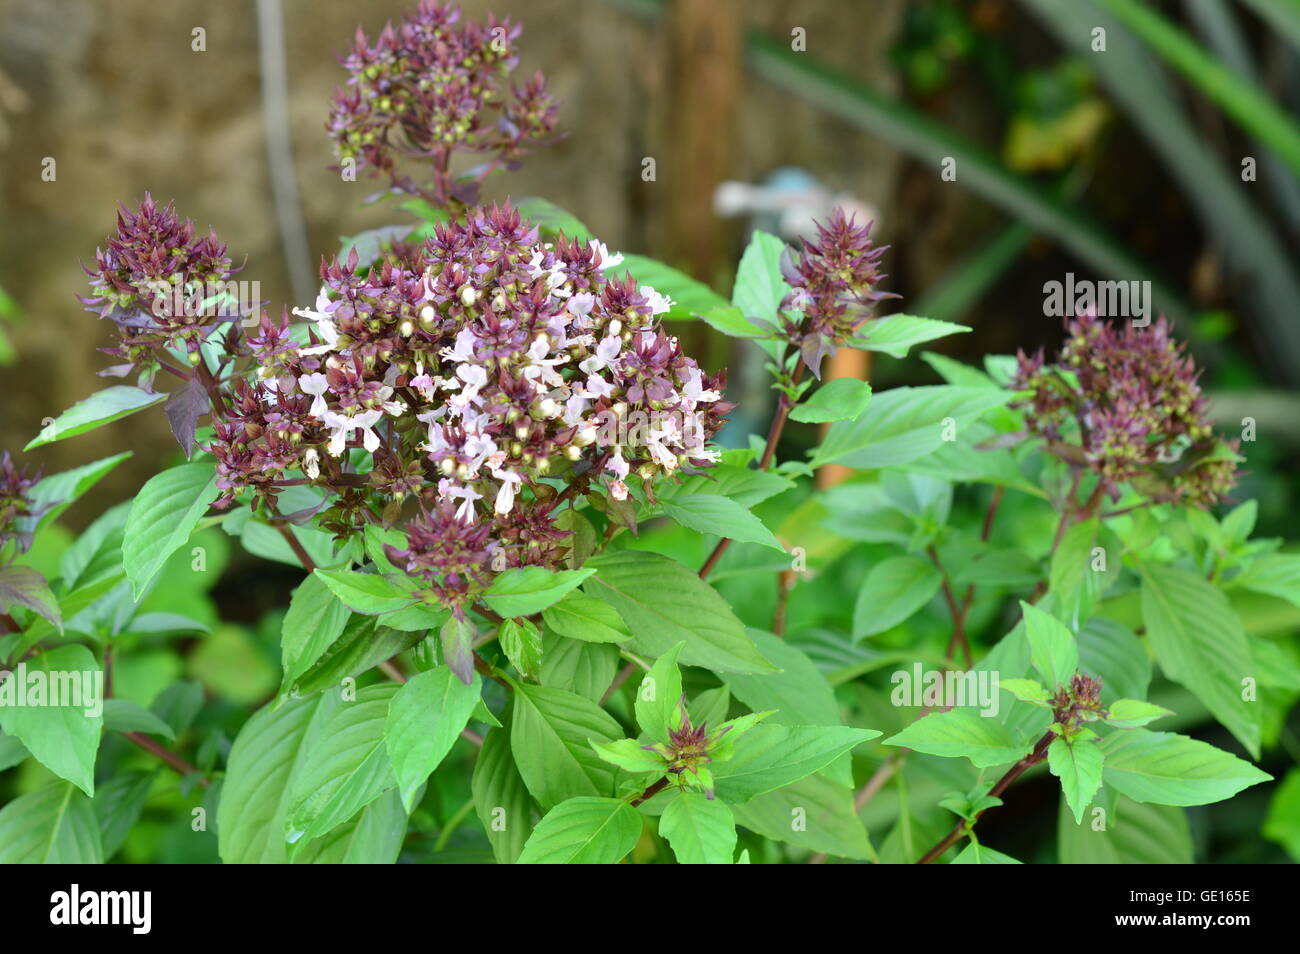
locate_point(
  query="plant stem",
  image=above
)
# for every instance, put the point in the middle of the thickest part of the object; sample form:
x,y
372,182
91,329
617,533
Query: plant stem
x,y
784,406
958,613
296,546
210,385
785,581
1033,758
651,792
968,597
619,679
174,761
452,824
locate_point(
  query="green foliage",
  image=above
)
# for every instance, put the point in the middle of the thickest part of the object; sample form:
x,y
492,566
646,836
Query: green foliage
x,y
703,661
105,407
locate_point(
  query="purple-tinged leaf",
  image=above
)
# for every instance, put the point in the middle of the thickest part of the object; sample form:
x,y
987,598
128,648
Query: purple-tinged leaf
x,y
184,407
457,648
25,587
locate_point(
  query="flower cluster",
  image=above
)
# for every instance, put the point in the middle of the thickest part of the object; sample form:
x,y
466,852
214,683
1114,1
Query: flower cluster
x,y
1077,703
489,376
690,749
16,503
1132,397
432,86
833,287
153,280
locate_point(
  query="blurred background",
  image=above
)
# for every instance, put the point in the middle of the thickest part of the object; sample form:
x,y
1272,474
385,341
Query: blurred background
x,y
997,144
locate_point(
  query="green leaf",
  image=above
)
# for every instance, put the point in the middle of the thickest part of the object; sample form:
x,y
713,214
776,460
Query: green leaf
x,y
1200,643
828,821
346,768
373,837
1078,766
583,617
64,738
424,720
581,539
1133,713
720,516
732,322
903,424
631,756
1283,822
659,697
1276,574
521,641
12,752
367,593
500,796
842,399
530,589
121,715
1111,652
362,646
263,540
92,565
1026,690
163,515
99,409
894,589
1052,649
550,736
270,750
552,219
371,243
701,830
759,285
689,296
1171,769
25,587
772,756
1131,833
584,831
967,459
585,668
54,494
799,693
315,619
962,733
745,485
895,335
118,804
975,854
1079,575
416,618
52,825
955,372
663,603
